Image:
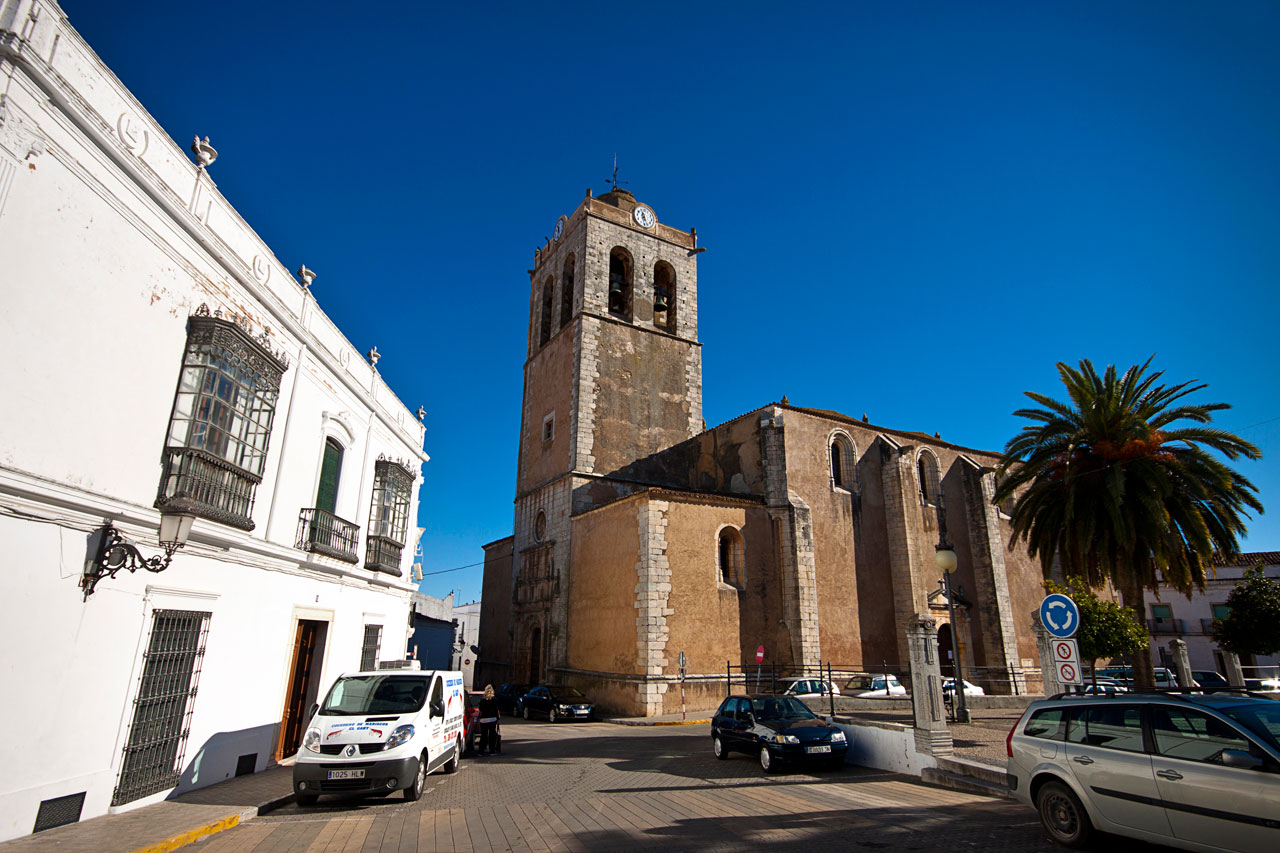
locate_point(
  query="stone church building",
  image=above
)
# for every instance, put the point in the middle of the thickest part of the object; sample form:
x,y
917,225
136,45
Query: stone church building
x,y
640,533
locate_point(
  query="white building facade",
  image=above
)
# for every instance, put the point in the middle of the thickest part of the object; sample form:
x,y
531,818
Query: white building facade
x,y
1171,615
467,616
163,366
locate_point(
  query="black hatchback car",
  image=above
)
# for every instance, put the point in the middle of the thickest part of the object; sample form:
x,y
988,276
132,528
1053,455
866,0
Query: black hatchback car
x,y
777,730
556,703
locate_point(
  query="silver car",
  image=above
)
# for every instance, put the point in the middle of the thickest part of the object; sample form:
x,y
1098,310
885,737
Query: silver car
x,y
1198,772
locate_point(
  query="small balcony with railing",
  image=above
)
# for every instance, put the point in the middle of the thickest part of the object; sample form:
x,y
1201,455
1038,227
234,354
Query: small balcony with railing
x,y
1166,625
323,532
383,555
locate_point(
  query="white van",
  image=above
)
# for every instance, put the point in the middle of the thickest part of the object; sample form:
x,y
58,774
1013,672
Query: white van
x,y
381,731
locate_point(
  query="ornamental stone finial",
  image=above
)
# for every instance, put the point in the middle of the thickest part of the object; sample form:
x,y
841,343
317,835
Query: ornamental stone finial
x,y
422,415
373,356
307,277
205,153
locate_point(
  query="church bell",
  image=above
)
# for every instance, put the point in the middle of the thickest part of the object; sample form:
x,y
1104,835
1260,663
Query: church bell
x,y
660,301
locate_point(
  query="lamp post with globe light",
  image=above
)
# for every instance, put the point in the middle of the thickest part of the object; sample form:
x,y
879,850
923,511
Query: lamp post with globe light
x,y
946,560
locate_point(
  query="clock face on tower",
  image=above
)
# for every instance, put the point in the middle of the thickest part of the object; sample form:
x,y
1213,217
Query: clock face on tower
x,y
559,232
643,216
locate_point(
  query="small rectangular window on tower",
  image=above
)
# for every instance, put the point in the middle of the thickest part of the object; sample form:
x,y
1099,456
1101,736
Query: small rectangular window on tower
x,y
548,429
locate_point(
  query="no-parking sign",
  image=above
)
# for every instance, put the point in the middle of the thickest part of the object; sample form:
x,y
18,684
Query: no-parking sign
x,y
1066,659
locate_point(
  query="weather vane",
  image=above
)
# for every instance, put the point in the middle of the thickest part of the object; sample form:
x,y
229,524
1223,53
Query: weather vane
x,y
614,178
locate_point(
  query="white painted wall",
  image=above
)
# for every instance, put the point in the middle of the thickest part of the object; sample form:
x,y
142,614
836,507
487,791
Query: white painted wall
x,y
884,746
110,239
468,616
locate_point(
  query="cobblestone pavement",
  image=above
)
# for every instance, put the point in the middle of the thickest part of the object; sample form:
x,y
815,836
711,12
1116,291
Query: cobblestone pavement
x,y
596,787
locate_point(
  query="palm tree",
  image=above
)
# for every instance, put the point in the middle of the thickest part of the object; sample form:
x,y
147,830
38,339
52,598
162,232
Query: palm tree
x,y
1123,486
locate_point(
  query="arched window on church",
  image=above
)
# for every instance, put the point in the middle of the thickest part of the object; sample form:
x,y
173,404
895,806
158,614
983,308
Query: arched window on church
x,y
545,321
729,558
844,460
930,485
664,296
566,291
620,282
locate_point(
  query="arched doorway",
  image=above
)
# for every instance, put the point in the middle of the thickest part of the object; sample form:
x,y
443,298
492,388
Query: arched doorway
x,y
535,656
946,658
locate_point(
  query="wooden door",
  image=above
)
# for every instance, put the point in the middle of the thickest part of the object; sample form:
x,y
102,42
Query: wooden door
x,y
301,672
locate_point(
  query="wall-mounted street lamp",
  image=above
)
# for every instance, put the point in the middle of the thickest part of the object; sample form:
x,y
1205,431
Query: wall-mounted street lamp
x,y
946,560
114,552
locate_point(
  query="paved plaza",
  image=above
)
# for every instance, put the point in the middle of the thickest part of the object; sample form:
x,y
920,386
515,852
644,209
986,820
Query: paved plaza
x,y
594,787
579,787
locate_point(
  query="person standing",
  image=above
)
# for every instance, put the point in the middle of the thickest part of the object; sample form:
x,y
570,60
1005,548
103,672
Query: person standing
x,y
489,714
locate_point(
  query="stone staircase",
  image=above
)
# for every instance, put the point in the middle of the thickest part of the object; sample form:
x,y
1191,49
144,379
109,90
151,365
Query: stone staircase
x,y
974,777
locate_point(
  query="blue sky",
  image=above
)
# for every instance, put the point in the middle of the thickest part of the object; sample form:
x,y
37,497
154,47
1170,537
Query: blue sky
x,y
912,210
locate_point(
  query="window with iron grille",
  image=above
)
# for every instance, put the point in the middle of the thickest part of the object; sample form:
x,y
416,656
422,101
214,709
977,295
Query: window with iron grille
x,y
369,654
157,741
388,516
221,421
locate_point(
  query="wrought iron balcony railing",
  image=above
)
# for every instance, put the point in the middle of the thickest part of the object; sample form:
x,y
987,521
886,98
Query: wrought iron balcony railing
x,y
324,533
207,486
383,555
1167,626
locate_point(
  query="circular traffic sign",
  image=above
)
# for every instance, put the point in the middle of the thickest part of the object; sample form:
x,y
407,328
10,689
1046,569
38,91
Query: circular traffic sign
x,y
1059,615
1063,651
1068,672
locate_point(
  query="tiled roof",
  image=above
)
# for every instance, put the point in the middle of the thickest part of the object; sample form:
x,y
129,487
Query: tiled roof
x,y
1250,558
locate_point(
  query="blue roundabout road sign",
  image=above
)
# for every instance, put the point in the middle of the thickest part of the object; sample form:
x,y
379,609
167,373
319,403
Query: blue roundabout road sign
x,y
1059,615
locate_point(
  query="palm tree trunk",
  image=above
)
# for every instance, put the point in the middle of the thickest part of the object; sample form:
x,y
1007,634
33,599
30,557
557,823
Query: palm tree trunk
x,y
1131,592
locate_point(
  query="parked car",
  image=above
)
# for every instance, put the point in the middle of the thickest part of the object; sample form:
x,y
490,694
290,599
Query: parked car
x,y
807,688
509,696
378,732
1269,685
870,686
1209,678
777,730
556,702
1195,771
471,720
1124,675
1105,686
949,686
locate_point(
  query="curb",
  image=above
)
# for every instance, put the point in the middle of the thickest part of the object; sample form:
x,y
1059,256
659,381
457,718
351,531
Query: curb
x,y
200,833
182,839
625,722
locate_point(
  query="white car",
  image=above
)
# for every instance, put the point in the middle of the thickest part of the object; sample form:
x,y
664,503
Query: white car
x,y
810,688
949,686
1269,685
872,686
1105,687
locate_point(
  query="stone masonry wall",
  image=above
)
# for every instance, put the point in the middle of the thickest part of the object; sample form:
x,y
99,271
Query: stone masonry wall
x,y
653,589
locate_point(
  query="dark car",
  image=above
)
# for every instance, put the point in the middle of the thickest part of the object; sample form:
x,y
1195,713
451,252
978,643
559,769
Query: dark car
x,y
471,720
776,729
556,703
509,697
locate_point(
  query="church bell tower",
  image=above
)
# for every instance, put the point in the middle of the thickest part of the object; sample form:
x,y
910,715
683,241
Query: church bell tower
x,y
613,374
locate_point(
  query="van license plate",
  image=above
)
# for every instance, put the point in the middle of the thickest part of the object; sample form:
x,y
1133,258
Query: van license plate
x,y
816,749
347,774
